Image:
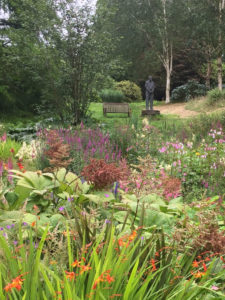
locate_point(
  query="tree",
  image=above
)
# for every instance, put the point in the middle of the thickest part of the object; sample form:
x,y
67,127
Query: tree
x,y
25,28
80,54
206,20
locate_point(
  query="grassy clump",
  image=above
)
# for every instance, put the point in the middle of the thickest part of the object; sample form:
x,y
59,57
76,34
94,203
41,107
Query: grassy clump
x,y
215,97
109,95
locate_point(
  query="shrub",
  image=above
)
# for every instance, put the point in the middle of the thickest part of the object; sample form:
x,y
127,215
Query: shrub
x,y
131,91
109,95
214,96
188,91
102,174
57,152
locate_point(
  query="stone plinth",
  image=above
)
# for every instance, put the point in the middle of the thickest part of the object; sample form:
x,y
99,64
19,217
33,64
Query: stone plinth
x,y
150,112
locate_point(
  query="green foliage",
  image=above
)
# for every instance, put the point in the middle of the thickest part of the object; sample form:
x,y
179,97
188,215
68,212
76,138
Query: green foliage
x,y
8,149
130,265
188,91
215,96
109,95
131,91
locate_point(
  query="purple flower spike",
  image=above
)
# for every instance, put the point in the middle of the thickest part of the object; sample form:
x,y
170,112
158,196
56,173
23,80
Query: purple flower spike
x,y
25,224
8,226
107,221
61,208
1,228
15,242
107,195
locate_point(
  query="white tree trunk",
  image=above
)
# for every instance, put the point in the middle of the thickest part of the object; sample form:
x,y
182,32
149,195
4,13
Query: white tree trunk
x,y
208,74
220,47
220,73
168,80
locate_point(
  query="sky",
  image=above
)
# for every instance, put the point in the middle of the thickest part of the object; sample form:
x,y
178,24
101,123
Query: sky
x,y
81,2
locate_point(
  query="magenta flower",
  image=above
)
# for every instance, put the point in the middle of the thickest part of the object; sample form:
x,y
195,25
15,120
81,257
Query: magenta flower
x,y
162,150
61,208
3,138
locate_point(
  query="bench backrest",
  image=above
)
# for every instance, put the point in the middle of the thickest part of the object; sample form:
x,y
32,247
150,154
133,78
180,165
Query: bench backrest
x,y
116,107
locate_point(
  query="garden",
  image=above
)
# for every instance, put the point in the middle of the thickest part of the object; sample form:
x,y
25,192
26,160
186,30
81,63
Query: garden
x,y
100,204
114,212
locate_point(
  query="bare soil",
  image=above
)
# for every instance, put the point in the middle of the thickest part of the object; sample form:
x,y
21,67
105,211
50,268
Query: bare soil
x,y
176,109
180,110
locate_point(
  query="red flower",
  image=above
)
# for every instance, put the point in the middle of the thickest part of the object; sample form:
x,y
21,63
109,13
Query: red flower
x,y
70,275
152,261
16,283
204,267
109,278
104,277
195,264
76,263
84,269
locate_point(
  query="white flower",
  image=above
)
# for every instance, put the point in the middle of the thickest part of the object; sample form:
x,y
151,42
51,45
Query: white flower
x,y
145,122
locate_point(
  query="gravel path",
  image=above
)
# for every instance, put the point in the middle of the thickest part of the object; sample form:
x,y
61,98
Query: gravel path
x,y
176,109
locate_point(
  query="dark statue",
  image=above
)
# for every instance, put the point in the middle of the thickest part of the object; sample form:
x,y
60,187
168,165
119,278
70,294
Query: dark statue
x,y
149,92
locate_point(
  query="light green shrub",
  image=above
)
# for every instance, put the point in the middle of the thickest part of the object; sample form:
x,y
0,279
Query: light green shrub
x,y
131,91
108,95
214,96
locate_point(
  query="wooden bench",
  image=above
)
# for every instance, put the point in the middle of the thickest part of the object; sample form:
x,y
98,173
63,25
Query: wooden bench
x,y
116,108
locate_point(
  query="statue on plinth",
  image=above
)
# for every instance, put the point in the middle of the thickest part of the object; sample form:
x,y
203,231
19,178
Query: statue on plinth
x,y
149,92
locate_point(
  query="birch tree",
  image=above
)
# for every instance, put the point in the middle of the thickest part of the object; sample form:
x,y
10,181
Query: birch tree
x,y
155,18
220,44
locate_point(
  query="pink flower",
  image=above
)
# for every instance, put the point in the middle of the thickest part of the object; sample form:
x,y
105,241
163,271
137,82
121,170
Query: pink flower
x,y
215,288
3,138
162,150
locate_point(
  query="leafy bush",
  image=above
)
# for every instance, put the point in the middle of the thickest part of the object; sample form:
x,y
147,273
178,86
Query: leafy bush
x,y
109,95
131,91
102,174
214,96
188,91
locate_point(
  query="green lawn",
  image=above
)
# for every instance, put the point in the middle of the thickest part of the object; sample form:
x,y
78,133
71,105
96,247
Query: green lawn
x,y
117,119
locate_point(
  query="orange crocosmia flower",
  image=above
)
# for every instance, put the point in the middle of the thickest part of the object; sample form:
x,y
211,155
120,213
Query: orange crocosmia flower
x,y
109,278
204,267
198,274
70,275
152,261
16,283
21,167
53,262
33,224
207,259
195,264
84,269
76,263
133,235
105,276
